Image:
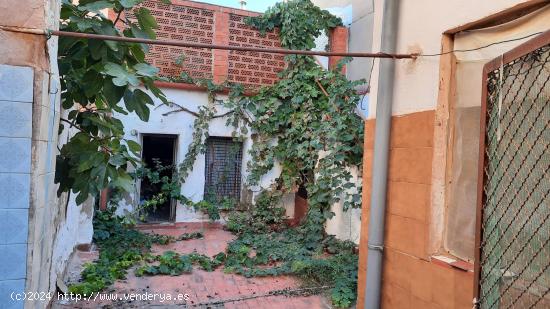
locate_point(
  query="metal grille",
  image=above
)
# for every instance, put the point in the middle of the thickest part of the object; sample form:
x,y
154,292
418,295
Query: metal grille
x,y
223,169
514,261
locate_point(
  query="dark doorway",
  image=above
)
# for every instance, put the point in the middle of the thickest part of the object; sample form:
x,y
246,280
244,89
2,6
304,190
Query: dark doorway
x,y
158,148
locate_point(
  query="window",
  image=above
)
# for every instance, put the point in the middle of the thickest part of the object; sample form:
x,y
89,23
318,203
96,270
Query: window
x,y
223,169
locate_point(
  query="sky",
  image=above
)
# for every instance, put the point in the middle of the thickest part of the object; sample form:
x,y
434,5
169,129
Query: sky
x,y
252,5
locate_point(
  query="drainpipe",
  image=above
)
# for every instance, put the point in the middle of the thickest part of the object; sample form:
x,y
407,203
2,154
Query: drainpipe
x,y
381,153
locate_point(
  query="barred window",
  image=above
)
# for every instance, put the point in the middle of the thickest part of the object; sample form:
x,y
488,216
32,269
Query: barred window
x,y
223,169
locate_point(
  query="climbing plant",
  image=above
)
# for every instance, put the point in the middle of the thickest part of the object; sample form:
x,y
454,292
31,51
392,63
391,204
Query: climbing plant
x,y
306,123
100,79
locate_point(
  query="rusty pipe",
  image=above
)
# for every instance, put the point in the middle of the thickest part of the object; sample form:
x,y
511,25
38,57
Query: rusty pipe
x,y
202,45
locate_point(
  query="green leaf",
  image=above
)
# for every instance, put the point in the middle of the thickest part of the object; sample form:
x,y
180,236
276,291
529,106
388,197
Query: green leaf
x,y
138,33
94,82
113,94
143,97
83,24
117,160
128,4
96,6
124,181
146,21
108,29
145,69
81,197
121,76
134,147
137,101
129,100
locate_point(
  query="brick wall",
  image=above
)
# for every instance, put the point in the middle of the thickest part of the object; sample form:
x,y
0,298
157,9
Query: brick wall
x,y
198,22
252,68
411,278
182,23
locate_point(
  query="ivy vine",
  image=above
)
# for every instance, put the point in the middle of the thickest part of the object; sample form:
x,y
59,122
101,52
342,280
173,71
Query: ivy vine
x,y
306,123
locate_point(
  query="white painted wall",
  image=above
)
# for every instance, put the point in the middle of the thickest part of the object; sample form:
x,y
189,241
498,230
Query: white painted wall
x,y
76,229
75,221
358,16
421,25
181,124
345,225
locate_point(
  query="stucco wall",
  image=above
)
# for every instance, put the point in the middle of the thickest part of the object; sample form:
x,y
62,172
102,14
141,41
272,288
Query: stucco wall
x,y
357,16
50,230
181,124
412,277
417,81
39,212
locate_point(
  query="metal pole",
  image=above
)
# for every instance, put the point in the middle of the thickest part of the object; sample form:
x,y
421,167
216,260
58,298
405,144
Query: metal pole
x,y
380,158
201,45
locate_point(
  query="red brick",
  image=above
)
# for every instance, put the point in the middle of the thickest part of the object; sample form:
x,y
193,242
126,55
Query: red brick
x,y
338,42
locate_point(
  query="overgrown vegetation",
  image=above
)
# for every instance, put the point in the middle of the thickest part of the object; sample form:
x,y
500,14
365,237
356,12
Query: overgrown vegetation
x,y
170,188
95,76
120,249
306,123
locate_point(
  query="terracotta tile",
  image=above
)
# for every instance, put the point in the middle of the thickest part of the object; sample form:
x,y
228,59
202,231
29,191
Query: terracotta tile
x,y
421,283
407,235
464,289
397,267
363,241
367,183
395,297
203,286
413,130
369,133
443,279
409,200
417,303
411,165
367,162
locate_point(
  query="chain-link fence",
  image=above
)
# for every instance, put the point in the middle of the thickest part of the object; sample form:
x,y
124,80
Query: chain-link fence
x,y
514,262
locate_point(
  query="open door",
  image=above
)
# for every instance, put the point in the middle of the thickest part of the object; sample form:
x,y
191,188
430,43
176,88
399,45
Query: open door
x,y
161,147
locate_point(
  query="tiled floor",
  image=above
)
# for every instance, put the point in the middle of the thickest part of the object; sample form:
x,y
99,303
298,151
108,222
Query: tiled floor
x,y
205,289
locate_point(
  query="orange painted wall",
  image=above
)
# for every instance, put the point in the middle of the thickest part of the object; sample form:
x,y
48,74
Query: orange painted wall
x,y
410,279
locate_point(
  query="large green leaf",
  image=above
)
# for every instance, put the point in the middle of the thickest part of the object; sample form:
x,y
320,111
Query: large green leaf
x,y
134,147
146,21
121,76
108,29
96,6
137,101
145,69
129,3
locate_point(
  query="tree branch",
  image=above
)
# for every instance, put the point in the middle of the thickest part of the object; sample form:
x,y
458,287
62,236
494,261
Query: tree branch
x,y
106,149
117,18
195,114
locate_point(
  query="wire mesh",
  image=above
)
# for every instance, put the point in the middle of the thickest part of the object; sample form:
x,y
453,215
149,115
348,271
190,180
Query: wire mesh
x,y
223,169
515,238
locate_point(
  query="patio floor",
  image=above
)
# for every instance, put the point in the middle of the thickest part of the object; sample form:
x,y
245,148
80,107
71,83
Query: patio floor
x,y
204,289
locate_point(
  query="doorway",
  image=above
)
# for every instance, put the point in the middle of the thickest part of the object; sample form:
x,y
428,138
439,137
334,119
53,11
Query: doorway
x,y
158,149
